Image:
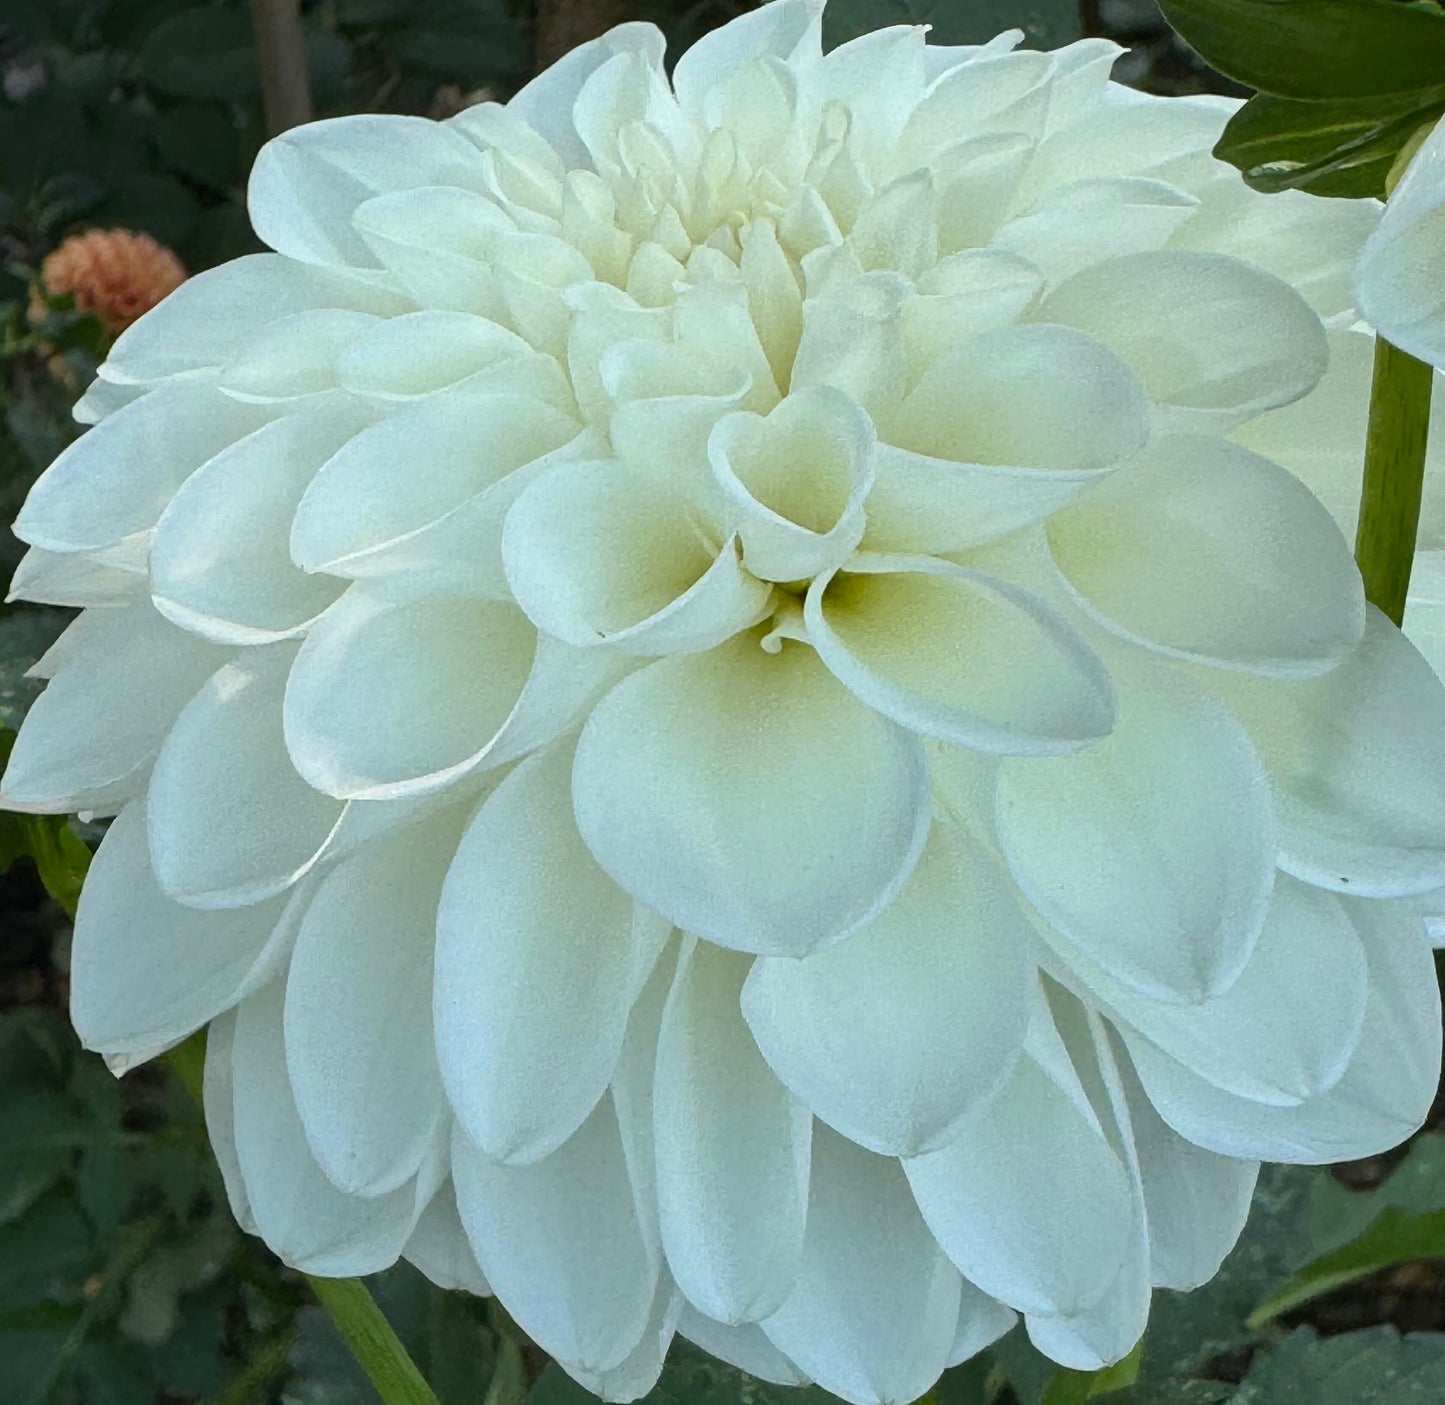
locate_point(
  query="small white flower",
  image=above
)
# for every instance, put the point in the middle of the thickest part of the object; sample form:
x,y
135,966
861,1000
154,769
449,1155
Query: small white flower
x,y
692,683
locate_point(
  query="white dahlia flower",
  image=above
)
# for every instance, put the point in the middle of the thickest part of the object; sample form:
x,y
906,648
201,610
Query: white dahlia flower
x,y
692,683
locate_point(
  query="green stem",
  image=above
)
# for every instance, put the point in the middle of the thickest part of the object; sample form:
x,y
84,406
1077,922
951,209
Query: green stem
x,y
1394,476
372,1342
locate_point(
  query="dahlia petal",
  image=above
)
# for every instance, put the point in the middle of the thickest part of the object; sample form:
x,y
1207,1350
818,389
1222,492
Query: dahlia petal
x,y
144,668
1290,234
423,353
307,183
358,1024
146,971
1356,759
218,1099
897,1035
393,697
790,31
1030,1202
1285,1030
1385,1092
116,479
748,798
1076,225
1152,852
293,358
744,1345
636,1374
958,655
732,1148
991,447
982,1320
199,326
305,1220
875,1313
1105,1331
219,563
438,243
560,1243
546,102
973,291
794,482
597,556
1393,289
1197,1202
1180,551
439,1250
360,514
971,97
634,1085
63,578
525,909
1214,340
230,821
104,397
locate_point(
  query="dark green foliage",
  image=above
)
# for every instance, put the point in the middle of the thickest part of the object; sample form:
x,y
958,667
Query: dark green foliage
x,y
1342,85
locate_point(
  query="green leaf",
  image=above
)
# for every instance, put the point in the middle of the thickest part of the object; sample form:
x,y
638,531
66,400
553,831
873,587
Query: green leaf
x,y
1339,148
470,41
200,140
1376,1367
1046,23
1317,48
1395,1237
203,52
1075,1387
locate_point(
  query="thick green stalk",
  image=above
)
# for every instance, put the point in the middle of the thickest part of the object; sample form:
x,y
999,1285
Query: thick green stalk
x,y
372,1342
1394,475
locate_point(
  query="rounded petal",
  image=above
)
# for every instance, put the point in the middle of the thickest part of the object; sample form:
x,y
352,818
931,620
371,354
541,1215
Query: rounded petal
x,y
1153,851
895,1036
390,697
230,820
144,668
305,1220
307,183
360,516
732,1148
1356,760
116,479
439,1248
1030,1201
146,971
1213,339
1287,1027
748,798
955,654
200,324
525,910
597,556
875,1313
219,561
1181,551
359,1041
561,1243
1197,1202
744,1345
1385,1092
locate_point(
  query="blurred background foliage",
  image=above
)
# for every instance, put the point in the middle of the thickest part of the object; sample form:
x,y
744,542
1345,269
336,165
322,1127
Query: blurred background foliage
x,y
123,1280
